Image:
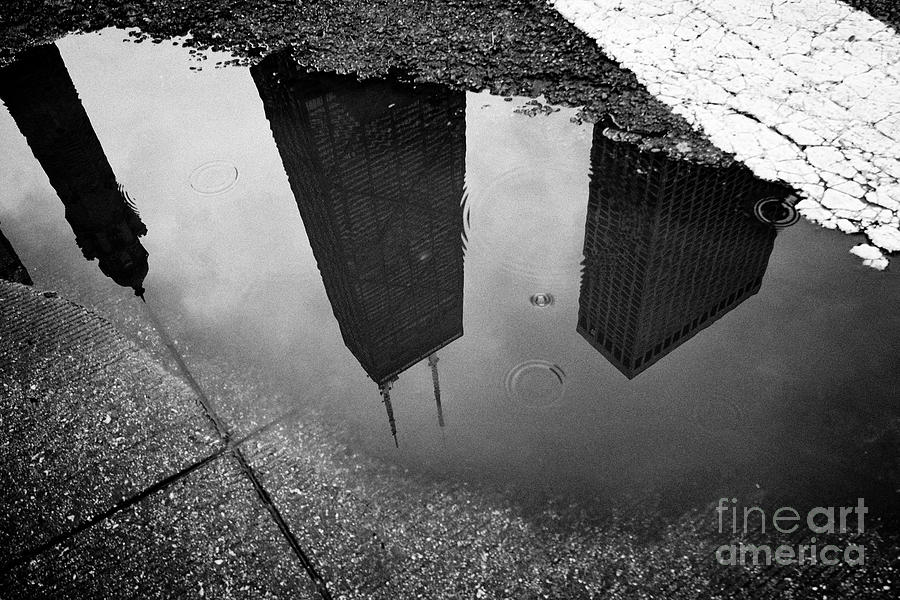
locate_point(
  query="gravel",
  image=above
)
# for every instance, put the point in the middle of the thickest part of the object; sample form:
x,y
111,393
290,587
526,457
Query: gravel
x,y
887,11
520,47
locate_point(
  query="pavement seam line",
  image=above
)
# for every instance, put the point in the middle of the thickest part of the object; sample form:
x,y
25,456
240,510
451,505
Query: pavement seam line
x,y
126,503
119,506
246,468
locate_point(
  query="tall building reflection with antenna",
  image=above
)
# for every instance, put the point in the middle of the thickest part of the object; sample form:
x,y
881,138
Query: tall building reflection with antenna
x,y
377,169
670,246
42,99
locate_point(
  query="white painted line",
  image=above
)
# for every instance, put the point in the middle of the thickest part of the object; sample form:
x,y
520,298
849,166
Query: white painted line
x,y
802,91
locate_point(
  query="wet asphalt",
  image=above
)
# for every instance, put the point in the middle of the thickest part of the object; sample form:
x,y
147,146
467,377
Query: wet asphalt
x,y
522,47
886,11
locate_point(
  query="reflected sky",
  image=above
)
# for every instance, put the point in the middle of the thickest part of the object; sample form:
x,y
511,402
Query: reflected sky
x,y
368,226
39,95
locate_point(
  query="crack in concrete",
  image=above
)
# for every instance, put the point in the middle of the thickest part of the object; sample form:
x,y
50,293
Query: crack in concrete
x,y
804,92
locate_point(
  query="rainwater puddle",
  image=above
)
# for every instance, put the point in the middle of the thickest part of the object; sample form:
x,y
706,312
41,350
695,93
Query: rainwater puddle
x,y
214,177
605,319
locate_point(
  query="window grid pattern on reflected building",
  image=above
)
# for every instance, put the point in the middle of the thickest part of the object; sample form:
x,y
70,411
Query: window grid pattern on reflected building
x,y
670,247
377,171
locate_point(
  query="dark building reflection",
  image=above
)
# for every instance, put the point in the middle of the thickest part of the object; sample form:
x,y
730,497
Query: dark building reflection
x,y
41,97
377,169
670,247
11,268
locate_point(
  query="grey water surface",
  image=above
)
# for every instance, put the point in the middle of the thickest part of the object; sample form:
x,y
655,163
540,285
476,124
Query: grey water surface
x,y
594,321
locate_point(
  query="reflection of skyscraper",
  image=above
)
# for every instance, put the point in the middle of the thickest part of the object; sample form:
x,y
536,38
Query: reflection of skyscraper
x,y
11,268
42,99
670,246
377,170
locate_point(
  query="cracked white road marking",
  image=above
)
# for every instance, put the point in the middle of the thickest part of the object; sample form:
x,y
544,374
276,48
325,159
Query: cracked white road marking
x,y
803,91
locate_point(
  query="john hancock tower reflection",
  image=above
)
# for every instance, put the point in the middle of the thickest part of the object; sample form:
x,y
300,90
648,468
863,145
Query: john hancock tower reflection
x,y
670,247
42,99
377,169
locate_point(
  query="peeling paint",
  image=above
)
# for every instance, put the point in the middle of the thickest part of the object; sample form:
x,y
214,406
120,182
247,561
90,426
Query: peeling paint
x,y
806,92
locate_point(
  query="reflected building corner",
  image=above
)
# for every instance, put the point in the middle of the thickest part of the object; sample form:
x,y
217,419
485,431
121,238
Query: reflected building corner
x,y
44,103
670,247
11,267
112,238
377,170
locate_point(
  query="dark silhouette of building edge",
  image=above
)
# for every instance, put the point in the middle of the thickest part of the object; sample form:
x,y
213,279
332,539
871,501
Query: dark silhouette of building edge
x,y
11,268
377,169
670,247
42,99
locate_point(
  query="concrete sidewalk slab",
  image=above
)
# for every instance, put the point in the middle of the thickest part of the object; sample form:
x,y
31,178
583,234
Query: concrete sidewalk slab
x,y
374,531
204,536
87,419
